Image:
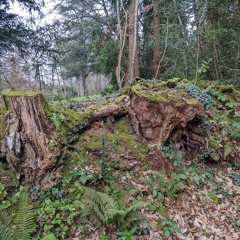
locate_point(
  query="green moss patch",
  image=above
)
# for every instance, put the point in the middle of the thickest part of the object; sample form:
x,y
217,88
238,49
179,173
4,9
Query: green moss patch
x,y
225,88
111,142
67,121
19,94
165,92
3,111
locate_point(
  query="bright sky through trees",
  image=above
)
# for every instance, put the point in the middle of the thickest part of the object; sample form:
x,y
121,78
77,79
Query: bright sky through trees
x,y
49,15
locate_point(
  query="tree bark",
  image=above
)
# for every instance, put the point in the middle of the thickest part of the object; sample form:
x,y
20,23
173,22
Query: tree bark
x,y
122,31
156,37
37,76
32,147
82,85
133,69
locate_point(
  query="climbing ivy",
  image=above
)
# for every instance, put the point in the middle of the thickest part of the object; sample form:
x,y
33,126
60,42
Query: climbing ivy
x,y
200,95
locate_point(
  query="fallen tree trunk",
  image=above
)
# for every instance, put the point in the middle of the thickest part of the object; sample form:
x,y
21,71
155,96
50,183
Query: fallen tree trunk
x,y
33,143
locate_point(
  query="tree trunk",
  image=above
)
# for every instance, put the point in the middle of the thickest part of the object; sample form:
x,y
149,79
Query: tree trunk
x,y
37,76
53,82
156,37
133,70
122,31
31,144
80,89
82,85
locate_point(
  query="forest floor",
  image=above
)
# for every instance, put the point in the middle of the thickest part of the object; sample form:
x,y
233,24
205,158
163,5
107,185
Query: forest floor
x,y
117,185
207,207
198,201
210,212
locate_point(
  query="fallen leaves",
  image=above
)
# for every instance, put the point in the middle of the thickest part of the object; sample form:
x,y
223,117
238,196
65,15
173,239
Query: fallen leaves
x,y
206,210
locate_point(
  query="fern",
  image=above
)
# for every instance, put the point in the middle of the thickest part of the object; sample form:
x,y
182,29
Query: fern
x,y
170,187
121,196
24,221
96,205
106,210
132,219
6,231
49,237
161,182
131,215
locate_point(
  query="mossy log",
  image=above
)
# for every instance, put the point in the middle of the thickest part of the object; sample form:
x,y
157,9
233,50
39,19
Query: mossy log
x,y
114,110
27,143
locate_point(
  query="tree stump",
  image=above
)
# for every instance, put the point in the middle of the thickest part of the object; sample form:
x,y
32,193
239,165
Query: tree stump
x,y
29,138
166,116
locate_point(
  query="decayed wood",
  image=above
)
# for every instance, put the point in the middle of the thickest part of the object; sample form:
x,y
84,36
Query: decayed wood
x,y
28,141
108,110
167,122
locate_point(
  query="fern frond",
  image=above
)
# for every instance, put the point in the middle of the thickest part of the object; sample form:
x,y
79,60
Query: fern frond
x,y
115,212
122,196
103,209
96,206
6,231
161,182
134,218
136,206
24,220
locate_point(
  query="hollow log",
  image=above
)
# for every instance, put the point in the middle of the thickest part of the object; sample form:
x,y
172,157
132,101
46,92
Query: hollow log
x,y
31,143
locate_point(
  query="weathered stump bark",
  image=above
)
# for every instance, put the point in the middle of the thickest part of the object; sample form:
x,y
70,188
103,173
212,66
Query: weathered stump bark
x,y
28,141
166,121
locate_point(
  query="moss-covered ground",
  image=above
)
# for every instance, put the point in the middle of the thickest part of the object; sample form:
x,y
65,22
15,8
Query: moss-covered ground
x,y
113,142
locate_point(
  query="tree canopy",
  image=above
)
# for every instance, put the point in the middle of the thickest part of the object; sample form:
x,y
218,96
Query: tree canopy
x,y
13,31
128,39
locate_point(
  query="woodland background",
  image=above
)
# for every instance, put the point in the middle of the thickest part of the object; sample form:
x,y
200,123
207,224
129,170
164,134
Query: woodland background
x,y
95,45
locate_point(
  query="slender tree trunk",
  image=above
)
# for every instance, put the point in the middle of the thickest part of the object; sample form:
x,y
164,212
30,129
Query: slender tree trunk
x,y
64,83
198,40
82,85
122,31
133,70
184,35
37,76
156,37
72,88
53,82
217,61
